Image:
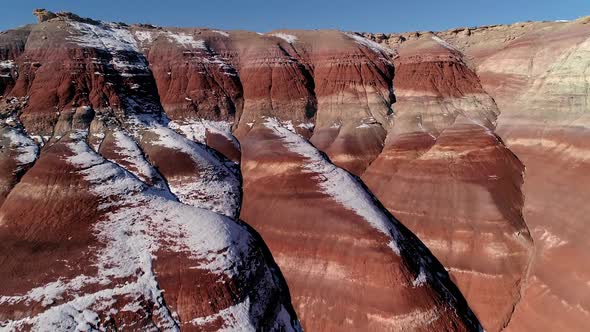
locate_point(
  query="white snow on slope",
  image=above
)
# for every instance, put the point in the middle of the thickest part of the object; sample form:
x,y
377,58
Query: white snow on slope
x,y
375,47
6,64
221,62
106,36
286,37
338,183
132,154
186,40
549,239
420,279
144,36
196,130
444,43
214,187
347,190
138,223
223,33
109,37
25,148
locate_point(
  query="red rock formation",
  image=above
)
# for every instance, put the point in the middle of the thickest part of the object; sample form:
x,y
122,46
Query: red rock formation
x,y
353,84
129,256
450,180
349,265
536,72
195,81
544,121
91,244
138,173
144,217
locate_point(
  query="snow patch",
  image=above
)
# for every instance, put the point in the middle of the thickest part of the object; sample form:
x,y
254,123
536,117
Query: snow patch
x,y
214,187
186,40
337,183
237,317
223,33
6,64
105,36
196,130
130,152
444,43
25,148
420,279
286,37
550,240
119,42
375,47
144,36
306,125
138,222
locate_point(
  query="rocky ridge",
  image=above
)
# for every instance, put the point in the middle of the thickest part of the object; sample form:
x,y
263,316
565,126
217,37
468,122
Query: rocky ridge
x,y
121,163
536,73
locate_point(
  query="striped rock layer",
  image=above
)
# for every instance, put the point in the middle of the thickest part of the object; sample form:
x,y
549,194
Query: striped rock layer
x,y
122,181
537,74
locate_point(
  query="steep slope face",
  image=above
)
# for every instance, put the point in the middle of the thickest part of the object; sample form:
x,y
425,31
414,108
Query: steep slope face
x,y
450,180
17,153
195,79
353,78
276,83
326,83
133,242
537,72
349,265
107,228
129,197
545,122
199,88
12,44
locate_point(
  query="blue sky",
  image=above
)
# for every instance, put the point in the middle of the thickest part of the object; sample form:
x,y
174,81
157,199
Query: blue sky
x,y
265,15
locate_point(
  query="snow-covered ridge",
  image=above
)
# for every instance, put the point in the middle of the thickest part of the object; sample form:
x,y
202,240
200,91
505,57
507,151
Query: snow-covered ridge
x,y
186,40
194,46
223,33
375,47
349,192
139,223
284,36
338,183
444,43
144,36
130,152
214,187
106,36
196,130
25,148
117,41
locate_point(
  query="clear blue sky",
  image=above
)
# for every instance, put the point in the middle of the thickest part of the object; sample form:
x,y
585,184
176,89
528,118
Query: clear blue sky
x,y
265,15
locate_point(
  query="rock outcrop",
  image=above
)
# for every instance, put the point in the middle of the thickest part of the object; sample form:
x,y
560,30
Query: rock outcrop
x,y
451,181
129,153
121,183
100,228
537,74
545,105
349,264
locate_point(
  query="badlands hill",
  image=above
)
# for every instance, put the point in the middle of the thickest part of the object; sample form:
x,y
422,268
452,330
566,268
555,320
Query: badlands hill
x,y
198,179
